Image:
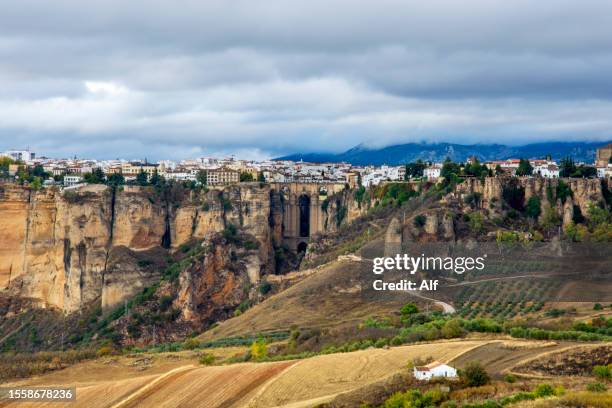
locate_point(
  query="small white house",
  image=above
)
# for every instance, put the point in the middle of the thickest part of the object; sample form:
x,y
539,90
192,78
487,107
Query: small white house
x,y
432,172
434,369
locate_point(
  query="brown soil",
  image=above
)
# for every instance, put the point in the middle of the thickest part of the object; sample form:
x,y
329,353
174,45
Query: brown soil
x,y
579,361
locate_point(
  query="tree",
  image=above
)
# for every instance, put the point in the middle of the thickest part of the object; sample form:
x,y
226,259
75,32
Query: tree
x,y
474,375
533,209
550,219
409,309
452,329
415,169
201,177
259,350
99,175
5,162
36,184
475,169
498,170
260,177
245,177
39,171
585,171
116,179
567,167
141,178
450,171
156,180
525,168
476,222
95,177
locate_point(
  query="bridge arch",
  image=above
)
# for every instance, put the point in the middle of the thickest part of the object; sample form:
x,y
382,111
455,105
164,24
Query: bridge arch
x,y
303,216
304,210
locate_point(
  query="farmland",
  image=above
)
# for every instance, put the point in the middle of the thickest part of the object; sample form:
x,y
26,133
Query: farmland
x,y
506,299
169,382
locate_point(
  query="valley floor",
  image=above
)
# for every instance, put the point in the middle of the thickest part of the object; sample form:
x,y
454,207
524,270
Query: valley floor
x,y
289,384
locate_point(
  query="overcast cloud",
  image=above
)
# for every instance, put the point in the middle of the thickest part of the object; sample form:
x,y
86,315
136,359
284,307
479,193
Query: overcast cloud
x,y
261,78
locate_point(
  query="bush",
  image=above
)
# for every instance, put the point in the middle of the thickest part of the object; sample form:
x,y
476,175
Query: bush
x,y
533,209
544,390
474,375
597,387
207,359
452,329
409,309
476,222
259,350
191,344
603,372
165,302
105,351
509,378
265,287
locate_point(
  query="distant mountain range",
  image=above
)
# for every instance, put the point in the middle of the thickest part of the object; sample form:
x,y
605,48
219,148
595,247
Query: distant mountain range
x,y
437,152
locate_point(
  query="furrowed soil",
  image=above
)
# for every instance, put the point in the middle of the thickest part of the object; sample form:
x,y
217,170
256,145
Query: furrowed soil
x,y
298,383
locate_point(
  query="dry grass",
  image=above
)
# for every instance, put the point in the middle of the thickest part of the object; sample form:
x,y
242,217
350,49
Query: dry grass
x,y
573,400
329,375
324,299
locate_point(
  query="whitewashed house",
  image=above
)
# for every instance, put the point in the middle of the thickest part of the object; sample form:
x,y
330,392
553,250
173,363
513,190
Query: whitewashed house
x,y
605,172
72,180
432,172
434,369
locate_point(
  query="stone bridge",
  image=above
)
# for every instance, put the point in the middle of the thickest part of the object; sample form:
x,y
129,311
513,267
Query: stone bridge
x,y
302,213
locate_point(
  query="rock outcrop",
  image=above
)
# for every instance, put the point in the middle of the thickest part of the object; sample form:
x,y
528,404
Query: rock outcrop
x,y
488,194
60,248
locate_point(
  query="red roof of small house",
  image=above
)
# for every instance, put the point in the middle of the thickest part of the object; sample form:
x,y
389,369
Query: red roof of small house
x,y
429,366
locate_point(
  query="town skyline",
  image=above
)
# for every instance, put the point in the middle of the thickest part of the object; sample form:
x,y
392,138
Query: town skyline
x,y
291,155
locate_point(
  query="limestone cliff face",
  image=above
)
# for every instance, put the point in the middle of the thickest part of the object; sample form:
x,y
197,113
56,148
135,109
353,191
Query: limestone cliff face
x,y
490,191
59,248
213,288
342,208
54,247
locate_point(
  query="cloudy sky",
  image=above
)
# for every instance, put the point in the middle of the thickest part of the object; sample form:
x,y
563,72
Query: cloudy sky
x,y
261,78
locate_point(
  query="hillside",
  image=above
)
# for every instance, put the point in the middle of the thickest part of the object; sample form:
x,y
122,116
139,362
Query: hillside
x,y
404,153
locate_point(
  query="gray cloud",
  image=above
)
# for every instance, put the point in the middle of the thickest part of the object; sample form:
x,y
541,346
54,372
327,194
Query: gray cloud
x,y
186,78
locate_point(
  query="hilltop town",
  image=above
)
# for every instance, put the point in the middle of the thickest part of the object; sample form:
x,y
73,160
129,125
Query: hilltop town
x,y
25,167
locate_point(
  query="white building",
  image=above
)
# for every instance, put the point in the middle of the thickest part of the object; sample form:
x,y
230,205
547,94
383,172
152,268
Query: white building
x,y
432,172
23,155
546,169
605,172
434,369
181,176
72,180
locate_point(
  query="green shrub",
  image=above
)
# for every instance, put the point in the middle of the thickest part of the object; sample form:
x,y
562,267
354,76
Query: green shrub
x,y
603,372
265,287
544,390
207,359
597,387
474,375
191,344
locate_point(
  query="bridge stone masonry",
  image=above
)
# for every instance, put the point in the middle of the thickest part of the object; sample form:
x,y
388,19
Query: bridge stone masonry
x,y
303,215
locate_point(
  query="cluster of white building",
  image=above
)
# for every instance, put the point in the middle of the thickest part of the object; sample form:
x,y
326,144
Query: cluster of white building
x,y
229,170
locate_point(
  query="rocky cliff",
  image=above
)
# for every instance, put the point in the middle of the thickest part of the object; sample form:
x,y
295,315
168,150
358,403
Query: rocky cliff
x,y
67,249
